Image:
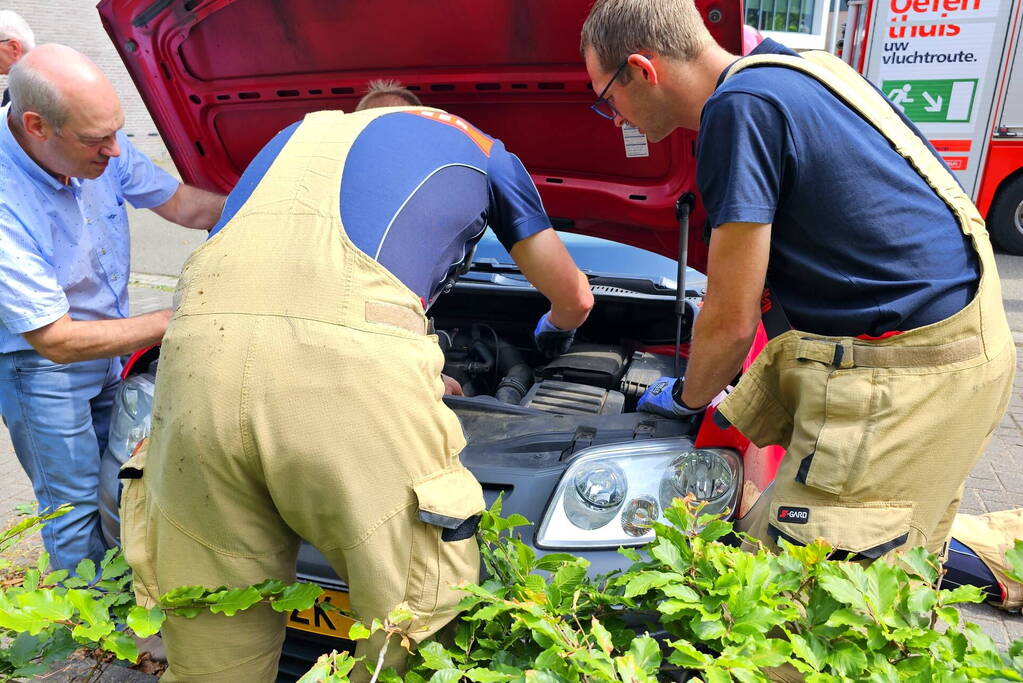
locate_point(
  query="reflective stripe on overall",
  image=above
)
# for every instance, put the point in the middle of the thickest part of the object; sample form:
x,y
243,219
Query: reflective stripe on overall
x,y
298,395
880,435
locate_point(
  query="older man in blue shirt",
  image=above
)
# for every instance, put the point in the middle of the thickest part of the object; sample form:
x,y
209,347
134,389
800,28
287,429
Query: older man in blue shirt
x,y
66,171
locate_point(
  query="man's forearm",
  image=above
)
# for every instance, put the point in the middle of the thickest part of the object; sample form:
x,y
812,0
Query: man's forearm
x,y
571,312
69,341
191,207
202,209
549,267
715,356
727,324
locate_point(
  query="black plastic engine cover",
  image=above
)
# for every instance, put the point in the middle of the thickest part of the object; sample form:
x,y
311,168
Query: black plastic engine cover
x,y
598,365
569,398
645,369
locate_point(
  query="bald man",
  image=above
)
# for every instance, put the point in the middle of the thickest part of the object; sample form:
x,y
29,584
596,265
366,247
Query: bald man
x,y
64,267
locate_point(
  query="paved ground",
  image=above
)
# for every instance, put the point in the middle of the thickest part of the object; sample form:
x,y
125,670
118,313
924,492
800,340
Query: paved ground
x,y
995,484
75,670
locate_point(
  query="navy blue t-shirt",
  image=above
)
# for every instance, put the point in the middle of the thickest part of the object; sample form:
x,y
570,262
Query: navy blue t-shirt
x,y
418,189
860,244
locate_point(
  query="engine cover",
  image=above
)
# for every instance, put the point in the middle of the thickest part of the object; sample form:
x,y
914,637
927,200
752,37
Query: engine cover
x,y
645,369
567,398
598,365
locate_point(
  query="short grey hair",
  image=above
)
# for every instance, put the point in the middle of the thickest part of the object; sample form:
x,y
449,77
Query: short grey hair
x,y
13,27
616,29
32,91
381,89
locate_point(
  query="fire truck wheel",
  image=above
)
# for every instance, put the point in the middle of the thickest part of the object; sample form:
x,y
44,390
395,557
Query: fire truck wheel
x,y
1006,219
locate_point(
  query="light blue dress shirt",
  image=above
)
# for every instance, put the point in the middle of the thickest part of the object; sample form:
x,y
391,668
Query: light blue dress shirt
x,y
65,248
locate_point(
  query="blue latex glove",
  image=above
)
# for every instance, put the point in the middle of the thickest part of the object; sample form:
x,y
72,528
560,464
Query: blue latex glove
x,y
658,399
552,340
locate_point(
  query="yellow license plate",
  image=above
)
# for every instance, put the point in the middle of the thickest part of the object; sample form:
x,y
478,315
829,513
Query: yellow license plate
x,y
326,622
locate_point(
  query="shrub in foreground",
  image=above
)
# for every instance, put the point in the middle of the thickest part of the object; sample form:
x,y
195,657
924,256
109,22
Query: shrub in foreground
x,y
688,608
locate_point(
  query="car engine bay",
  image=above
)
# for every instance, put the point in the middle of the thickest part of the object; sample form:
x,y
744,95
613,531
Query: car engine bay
x,y
625,346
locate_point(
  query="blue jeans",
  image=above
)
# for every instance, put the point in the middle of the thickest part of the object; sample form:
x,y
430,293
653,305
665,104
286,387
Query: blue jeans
x,y
59,418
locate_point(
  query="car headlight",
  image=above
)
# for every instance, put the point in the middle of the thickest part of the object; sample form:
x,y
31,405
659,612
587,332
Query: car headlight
x,y
609,495
133,408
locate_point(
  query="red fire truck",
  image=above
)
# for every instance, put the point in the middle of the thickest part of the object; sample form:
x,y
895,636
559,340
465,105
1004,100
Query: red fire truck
x,y
955,67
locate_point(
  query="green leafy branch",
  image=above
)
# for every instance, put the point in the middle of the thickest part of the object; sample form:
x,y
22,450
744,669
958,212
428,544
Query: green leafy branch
x,y
688,606
691,605
190,601
48,614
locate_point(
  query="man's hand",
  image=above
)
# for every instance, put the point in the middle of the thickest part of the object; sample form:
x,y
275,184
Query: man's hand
x,y
659,398
451,386
192,208
551,339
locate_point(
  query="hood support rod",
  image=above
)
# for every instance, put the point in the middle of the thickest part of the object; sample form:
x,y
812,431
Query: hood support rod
x,y
682,208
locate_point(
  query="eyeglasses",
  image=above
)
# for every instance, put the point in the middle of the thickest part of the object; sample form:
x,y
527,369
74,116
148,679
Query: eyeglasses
x,y
603,106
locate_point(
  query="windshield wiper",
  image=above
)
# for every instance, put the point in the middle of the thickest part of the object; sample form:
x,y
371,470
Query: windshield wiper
x,y
489,265
636,283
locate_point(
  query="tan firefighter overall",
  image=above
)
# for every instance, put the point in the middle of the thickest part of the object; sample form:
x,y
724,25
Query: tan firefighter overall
x,y
880,435
298,395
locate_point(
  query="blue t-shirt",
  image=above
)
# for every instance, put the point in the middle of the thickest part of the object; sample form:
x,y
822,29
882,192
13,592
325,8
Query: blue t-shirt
x,y
418,190
860,244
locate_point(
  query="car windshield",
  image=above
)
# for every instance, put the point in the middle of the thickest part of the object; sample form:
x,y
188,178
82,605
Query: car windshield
x,y
597,256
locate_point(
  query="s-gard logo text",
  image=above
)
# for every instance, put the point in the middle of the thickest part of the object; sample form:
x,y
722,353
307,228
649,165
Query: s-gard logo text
x,y
793,515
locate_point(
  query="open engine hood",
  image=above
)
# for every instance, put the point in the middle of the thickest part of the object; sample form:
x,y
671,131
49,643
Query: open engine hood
x,y
221,77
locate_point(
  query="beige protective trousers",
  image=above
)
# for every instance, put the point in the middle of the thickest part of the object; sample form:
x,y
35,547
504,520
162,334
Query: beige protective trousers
x,y
298,395
880,435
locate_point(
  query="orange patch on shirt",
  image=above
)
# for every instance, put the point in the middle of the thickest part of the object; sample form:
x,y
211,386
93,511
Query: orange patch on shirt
x,y
481,140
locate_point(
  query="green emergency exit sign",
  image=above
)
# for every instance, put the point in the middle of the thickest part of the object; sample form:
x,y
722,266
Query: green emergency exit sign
x,y
930,101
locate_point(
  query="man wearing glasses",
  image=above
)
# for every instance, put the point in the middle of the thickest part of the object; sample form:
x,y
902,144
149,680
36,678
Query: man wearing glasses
x,y
64,265
897,361
16,39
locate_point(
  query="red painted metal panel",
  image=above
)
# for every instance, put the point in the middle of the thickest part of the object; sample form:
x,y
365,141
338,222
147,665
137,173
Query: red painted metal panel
x,y
759,464
1005,157
220,77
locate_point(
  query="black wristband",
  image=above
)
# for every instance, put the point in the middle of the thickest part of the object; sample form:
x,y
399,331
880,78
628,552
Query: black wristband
x,y
676,395
695,410
676,392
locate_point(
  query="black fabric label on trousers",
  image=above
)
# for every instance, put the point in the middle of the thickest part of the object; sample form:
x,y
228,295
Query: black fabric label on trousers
x,y
793,515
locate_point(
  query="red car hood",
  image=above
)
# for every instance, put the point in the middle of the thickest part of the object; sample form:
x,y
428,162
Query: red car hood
x,y
220,77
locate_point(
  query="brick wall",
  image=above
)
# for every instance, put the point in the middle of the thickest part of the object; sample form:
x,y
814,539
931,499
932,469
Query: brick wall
x,y
76,23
